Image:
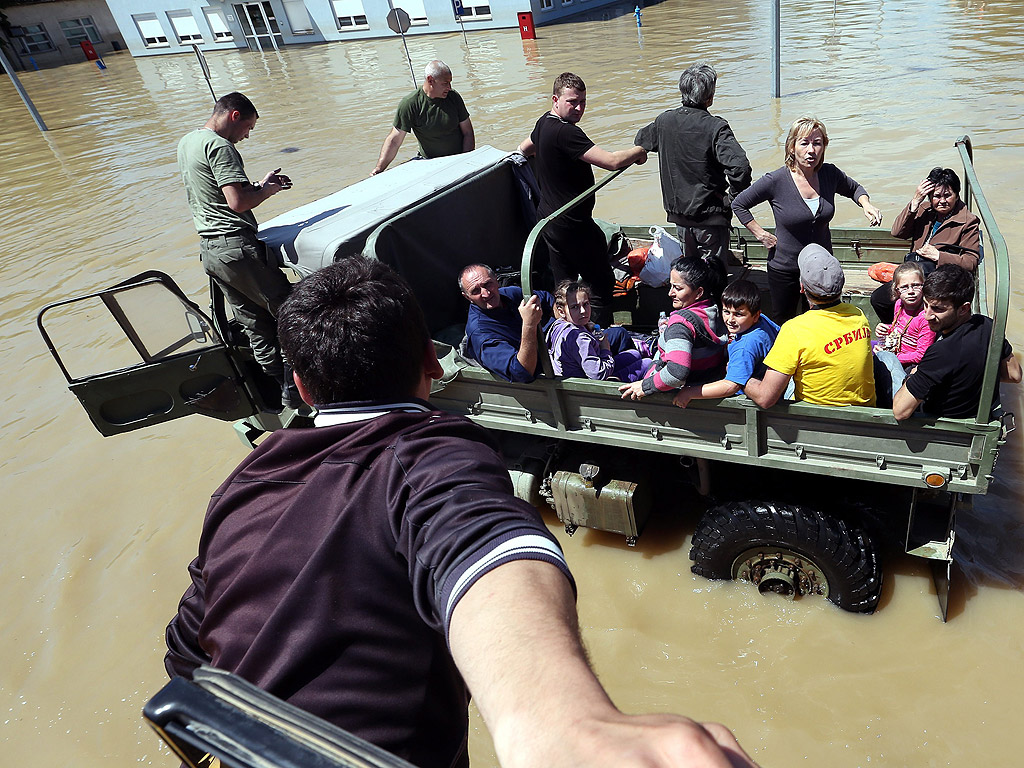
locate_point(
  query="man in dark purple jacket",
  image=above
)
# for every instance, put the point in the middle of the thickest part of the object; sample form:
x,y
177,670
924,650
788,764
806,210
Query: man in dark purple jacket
x,y
375,569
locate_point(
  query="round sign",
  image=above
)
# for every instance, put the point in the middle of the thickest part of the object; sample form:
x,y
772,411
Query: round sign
x,y
398,21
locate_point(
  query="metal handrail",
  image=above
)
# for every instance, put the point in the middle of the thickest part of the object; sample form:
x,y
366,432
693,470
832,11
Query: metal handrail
x,y
535,233
1000,257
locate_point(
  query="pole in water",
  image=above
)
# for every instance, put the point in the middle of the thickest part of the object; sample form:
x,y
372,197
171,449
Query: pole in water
x,y
638,13
21,91
206,70
100,64
409,59
776,46
457,7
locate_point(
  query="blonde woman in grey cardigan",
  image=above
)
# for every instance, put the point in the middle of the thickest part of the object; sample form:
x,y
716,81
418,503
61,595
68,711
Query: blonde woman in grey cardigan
x,y
802,196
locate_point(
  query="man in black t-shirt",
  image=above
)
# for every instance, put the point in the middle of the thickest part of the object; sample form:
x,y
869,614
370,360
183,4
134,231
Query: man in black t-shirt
x,y
564,160
948,379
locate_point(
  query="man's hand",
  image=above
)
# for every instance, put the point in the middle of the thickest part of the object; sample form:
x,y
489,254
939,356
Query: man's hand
x,y
516,625
531,312
615,740
634,391
275,181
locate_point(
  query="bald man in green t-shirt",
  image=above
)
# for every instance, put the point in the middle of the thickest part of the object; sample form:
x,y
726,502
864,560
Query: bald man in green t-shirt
x,y
436,114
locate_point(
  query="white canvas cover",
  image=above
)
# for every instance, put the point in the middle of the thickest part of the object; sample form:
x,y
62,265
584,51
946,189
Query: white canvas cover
x,y
308,237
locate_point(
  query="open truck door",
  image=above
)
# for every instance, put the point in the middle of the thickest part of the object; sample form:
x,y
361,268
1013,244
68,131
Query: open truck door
x,y
142,353
220,715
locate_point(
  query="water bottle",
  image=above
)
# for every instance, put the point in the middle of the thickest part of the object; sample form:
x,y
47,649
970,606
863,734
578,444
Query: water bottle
x,y
662,322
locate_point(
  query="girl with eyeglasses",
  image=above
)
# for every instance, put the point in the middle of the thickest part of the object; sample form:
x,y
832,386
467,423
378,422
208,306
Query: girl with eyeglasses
x,y
908,335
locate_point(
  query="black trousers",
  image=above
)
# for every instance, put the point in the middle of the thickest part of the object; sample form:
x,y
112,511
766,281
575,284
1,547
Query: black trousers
x,y
579,249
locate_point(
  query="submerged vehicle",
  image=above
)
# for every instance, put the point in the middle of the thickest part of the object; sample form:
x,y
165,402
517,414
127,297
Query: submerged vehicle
x,y
798,499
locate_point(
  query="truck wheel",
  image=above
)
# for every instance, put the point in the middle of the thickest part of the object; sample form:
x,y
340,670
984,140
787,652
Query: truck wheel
x,y
790,550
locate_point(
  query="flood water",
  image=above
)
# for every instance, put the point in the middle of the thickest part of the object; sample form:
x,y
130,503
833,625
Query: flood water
x,y
98,532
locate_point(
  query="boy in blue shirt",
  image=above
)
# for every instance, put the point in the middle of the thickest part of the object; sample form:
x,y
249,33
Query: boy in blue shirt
x,y
751,335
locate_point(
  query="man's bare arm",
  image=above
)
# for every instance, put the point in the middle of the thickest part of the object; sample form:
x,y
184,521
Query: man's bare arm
x,y
518,625
767,391
526,147
904,404
468,136
389,150
613,161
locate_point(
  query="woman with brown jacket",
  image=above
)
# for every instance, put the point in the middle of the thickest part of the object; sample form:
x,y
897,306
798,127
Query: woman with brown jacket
x,y
940,228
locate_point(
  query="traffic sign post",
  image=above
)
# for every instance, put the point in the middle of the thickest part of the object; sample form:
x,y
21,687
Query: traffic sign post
x,y
206,70
399,22
457,7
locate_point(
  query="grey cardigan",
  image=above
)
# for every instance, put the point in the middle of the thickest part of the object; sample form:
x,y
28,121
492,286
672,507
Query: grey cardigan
x,y
795,225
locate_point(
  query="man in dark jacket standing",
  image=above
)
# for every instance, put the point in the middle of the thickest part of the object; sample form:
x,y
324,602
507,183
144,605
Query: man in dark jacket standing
x,y
702,165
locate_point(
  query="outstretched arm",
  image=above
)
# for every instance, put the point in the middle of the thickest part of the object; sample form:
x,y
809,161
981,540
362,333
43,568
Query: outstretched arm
x,y
613,161
518,625
389,150
713,390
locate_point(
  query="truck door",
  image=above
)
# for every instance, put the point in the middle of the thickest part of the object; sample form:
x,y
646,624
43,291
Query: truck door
x,y
141,353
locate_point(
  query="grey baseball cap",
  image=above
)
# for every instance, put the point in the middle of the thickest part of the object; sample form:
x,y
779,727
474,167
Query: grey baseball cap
x,y
820,272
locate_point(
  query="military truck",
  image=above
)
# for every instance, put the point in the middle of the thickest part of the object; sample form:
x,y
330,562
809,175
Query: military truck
x,y
798,499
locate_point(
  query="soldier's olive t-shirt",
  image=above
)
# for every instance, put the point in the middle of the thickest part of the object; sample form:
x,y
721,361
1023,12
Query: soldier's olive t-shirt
x,y
435,122
207,162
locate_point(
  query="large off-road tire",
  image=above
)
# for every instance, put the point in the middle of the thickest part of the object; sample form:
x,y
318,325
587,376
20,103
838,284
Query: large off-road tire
x,y
789,549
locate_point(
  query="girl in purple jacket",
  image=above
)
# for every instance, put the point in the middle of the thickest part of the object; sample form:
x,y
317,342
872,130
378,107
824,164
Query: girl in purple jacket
x,y
579,348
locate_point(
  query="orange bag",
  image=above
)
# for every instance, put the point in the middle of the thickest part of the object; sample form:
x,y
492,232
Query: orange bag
x,y
637,258
882,271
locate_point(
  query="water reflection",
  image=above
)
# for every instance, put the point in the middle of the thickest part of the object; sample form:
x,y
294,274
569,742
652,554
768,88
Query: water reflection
x,y
98,532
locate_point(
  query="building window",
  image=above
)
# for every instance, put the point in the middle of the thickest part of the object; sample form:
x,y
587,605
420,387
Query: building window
x,y
77,30
153,34
350,15
34,40
545,5
218,25
185,27
566,2
298,17
476,10
417,13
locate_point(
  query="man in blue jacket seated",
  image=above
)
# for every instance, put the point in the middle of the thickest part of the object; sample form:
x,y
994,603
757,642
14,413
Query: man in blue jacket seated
x,y
501,329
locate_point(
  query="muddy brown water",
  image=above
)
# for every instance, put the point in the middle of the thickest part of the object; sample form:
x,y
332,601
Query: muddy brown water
x,y
97,532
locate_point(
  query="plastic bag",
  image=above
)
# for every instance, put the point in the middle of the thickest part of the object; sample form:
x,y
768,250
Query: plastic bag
x,y
663,251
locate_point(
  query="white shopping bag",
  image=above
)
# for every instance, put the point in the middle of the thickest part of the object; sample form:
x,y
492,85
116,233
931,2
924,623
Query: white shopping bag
x,y
663,252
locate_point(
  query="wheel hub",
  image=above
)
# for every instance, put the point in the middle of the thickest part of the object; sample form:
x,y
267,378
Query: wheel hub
x,y
780,571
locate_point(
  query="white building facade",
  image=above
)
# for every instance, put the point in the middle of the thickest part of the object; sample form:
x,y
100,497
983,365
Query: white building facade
x,y
153,27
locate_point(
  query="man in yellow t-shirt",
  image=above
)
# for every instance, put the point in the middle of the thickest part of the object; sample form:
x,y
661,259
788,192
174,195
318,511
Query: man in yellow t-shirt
x,y
827,350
